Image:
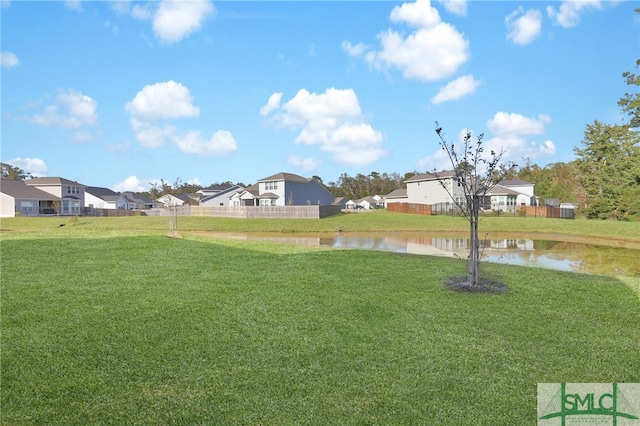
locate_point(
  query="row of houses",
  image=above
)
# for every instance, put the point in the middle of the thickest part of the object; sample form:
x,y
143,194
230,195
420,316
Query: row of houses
x,y
442,189
56,195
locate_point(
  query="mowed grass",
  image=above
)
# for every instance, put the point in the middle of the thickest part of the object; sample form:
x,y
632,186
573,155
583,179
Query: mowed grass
x,y
378,220
131,327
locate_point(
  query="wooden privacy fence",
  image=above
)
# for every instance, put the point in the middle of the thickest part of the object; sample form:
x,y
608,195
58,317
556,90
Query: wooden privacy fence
x,y
546,211
452,209
253,212
424,209
90,211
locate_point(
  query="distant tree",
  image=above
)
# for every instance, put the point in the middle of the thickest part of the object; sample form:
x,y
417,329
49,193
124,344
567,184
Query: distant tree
x,y
157,190
630,102
188,188
475,173
11,172
609,165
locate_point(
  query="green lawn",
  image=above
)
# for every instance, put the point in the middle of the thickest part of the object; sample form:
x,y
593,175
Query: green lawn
x,y
110,322
380,220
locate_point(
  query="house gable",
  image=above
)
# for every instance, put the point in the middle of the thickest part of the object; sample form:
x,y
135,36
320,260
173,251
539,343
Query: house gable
x,y
70,192
428,188
284,189
18,197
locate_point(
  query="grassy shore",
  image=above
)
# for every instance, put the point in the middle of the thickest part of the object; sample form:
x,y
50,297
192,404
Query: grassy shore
x,y
380,220
108,321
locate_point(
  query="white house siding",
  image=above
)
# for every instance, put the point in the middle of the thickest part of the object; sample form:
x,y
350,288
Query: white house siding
x,y
388,201
432,192
275,187
7,206
91,200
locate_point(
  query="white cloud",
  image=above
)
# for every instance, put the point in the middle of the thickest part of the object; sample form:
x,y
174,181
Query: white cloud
x,y
439,160
73,111
507,125
523,27
568,14
435,50
156,104
166,100
121,7
142,12
150,135
9,60
456,89
511,133
515,149
272,104
457,7
35,166
419,14
307,164
73,5
176,19
333,121
220,143
130,184
194,181
354,49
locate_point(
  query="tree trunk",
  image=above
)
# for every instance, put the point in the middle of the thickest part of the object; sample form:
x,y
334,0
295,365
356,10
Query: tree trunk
x,y
473,274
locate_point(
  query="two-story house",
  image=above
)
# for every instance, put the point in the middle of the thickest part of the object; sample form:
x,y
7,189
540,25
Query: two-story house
x,y
70,193
283,189
434,188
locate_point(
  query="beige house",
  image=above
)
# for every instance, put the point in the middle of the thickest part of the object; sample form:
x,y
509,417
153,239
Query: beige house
x,y
69,193
434,188
18,198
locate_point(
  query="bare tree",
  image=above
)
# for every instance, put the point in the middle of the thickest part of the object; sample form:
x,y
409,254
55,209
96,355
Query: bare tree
x,y
475,175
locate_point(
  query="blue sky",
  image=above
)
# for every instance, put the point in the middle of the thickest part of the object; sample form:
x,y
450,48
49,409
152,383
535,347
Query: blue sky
x,y
121,94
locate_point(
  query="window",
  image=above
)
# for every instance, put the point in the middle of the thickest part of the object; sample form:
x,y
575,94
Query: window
x,y
270,186
26,206
73,189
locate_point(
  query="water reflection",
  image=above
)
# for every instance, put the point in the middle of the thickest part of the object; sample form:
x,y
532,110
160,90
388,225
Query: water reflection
x,y
546,253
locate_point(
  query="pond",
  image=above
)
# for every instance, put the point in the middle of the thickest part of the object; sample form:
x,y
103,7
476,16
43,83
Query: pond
x,y
601,256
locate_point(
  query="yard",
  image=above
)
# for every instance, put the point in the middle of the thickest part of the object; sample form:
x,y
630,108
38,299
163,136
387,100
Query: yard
x,y
108,321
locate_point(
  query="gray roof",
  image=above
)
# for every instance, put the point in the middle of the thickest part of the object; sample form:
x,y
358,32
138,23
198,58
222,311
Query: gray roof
x,y
217,187
269,195
369,199
432,176
288,177
99,192
52,181
398,193
20,190
139,197
230,190
514,182
501,190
